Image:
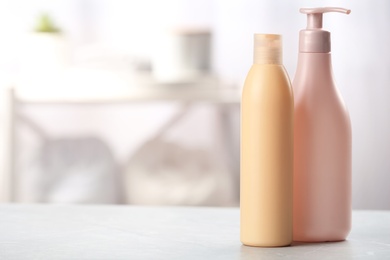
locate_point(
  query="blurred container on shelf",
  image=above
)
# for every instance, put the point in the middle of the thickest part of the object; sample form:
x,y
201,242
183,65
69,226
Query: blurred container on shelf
x,y
44,56
45,50
181,55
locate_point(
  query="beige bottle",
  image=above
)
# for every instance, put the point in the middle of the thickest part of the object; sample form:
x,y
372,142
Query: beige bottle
x,y
266,148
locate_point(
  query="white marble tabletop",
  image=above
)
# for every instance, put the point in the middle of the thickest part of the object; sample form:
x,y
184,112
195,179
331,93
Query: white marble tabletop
x,y
130,232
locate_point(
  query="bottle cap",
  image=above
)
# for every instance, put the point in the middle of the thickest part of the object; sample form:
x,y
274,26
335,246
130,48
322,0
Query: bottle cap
x,y
267,49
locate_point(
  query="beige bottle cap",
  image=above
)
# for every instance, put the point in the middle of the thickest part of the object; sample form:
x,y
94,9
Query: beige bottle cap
x,y
314,39
267,49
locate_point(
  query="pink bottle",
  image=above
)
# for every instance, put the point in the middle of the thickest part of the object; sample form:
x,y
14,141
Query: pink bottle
x,y
322,140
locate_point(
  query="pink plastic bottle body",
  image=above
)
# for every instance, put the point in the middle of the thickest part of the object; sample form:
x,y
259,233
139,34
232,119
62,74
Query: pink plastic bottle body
x,y
322,154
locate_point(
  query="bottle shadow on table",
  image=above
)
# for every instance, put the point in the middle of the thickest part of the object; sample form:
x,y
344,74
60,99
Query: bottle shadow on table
x,y
301,250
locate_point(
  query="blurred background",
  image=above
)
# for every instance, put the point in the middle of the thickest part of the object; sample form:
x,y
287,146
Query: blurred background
x,y
138,102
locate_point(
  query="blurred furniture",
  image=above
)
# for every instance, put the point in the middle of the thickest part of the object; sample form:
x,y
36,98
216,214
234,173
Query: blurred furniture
x,y
204,90
129,232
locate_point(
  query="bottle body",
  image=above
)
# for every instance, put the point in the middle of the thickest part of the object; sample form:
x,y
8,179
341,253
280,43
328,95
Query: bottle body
x,y
266,157
322,153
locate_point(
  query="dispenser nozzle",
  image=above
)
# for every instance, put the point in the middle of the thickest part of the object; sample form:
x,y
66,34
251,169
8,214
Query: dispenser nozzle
x,y
314,39
314,15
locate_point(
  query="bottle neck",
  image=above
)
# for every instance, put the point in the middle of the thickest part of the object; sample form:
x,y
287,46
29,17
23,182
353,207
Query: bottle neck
x,y
314,70
269,57
318,64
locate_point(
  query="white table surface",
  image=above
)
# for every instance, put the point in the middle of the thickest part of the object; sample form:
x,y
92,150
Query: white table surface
x,y
129,232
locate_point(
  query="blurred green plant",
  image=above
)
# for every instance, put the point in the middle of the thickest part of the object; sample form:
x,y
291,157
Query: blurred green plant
x,y
46,25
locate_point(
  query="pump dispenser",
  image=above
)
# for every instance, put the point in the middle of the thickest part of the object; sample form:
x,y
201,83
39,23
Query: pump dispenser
x,y
322,140
314,39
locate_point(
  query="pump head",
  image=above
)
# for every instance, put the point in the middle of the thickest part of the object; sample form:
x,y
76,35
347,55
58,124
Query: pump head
x,y
314,39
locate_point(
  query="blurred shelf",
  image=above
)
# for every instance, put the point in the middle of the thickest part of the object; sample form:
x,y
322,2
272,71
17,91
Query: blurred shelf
x,y
142,89
198,95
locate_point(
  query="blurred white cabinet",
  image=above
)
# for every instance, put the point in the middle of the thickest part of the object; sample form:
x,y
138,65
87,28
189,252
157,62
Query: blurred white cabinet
x,y
206,90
